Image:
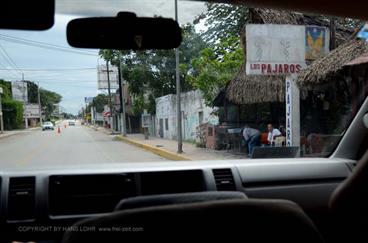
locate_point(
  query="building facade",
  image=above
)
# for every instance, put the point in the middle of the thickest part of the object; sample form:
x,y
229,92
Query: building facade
x,y
194,113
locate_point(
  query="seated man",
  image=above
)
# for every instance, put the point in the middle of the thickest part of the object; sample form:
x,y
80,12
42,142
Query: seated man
x,y
252,137
272,134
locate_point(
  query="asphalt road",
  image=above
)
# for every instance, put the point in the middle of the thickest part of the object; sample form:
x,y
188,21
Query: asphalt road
x,y
74,145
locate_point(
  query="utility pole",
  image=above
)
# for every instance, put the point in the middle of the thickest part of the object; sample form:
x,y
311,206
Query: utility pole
x,y
178,106
24,101
109,91
1,113
121,95
39,102
83,115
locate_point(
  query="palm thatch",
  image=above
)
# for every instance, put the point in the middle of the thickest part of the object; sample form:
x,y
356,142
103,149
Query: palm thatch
x,y
270,16
251,89
323,70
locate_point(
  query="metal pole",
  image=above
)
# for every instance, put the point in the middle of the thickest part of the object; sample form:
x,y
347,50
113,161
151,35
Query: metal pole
x,y
109,91
24,101
122,102
39,102
1,114
332,33
178,106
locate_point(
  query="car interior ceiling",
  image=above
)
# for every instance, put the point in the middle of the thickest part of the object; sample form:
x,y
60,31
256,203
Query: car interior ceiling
x,y
323,200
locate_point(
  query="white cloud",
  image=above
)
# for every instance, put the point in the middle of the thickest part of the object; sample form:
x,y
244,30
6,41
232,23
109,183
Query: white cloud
x,y
187,10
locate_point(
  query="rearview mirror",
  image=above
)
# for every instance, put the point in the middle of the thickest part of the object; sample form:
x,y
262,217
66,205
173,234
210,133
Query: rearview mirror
x,y
124,32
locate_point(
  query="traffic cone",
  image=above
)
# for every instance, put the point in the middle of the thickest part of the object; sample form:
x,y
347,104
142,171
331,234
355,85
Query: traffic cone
x,y
59,130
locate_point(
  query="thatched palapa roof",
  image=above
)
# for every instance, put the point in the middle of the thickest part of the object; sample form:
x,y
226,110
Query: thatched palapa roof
x,y
251,89
323,70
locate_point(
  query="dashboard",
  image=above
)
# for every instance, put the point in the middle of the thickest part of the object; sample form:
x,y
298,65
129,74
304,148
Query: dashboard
x,y
55,197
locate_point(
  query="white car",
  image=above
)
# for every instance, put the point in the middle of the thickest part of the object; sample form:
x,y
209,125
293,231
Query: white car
x,y
47,126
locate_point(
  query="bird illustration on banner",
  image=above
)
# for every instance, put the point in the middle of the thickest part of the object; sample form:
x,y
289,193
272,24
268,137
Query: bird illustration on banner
x,y
315,42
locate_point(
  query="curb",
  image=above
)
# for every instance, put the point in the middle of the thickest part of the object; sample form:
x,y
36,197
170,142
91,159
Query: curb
x,y
8,135
163,153
17,133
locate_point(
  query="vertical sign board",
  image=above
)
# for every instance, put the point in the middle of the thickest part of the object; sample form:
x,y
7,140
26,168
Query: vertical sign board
x,y
19,91
289,118
292,103
31,111
102,82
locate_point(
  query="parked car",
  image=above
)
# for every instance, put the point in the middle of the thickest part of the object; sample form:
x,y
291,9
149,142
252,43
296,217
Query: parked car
x,y
47,126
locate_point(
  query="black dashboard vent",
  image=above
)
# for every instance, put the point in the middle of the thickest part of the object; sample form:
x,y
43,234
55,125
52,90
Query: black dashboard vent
x,y
224,179
21,198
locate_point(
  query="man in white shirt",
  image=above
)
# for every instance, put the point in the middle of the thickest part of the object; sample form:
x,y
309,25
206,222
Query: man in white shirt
x,y
272,134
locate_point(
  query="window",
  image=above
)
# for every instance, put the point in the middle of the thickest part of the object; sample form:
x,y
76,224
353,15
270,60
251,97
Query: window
x,y
166,124
200,117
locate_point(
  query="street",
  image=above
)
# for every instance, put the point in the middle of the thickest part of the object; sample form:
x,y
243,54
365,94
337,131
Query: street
x,y
74,145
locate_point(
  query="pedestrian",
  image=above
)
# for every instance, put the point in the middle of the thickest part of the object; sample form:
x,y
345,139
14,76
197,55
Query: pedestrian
x,y
272,134
253,138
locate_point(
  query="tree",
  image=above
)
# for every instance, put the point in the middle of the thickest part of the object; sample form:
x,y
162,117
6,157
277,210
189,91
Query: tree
x,y
49,100
68,115
13,114
216,66
32,90
7,91
13,110
223,20
151,73
98,102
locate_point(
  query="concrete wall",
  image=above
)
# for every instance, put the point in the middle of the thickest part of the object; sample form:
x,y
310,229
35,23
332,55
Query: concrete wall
x,y
193,109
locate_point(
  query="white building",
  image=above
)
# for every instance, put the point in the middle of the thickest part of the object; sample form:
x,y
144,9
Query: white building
x,y
194,113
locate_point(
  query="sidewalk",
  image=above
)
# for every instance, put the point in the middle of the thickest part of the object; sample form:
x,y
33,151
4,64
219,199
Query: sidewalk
x,y
191,151
16,132
168,148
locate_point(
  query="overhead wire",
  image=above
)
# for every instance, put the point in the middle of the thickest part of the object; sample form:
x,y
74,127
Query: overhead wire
x,y
44,45
9,59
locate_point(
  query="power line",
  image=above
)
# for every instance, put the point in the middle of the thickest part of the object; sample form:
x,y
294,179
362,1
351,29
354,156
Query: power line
x,y
41,43
8,73
9,59
49,47
51,69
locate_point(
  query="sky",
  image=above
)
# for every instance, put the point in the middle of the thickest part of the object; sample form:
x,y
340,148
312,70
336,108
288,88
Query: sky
x,y
72,72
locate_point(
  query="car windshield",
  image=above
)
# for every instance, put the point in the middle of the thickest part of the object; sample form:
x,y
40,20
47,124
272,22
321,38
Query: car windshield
x,y
253,83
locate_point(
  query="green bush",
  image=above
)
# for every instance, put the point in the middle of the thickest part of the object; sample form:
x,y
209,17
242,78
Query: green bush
x,y
13,114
